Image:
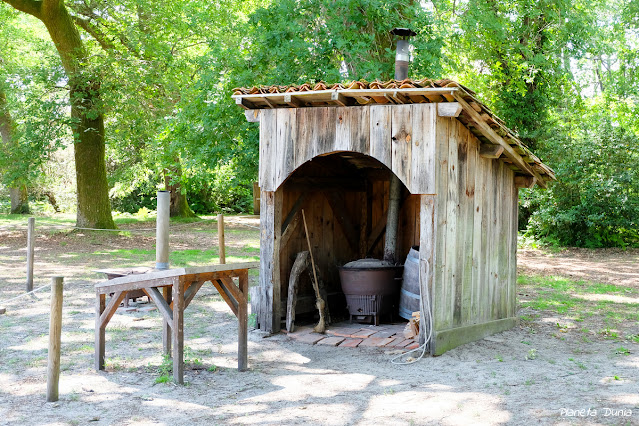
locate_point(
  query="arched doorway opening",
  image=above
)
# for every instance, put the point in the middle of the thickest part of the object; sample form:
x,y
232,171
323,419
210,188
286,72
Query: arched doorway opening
x,y
345,199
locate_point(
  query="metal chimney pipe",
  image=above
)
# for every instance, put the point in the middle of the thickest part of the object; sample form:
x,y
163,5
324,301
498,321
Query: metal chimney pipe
x,y
402,58
402,55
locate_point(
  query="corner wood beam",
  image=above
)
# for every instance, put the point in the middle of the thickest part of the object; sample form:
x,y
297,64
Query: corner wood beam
x,y
488,150
244,103
341,100
293,101
496,139
525,181
448,109
252,115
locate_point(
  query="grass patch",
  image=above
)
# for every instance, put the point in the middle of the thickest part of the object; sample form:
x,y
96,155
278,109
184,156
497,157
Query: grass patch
x,y
579,300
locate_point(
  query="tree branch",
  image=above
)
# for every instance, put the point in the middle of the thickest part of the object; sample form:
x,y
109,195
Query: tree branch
x,y
32,7
94,32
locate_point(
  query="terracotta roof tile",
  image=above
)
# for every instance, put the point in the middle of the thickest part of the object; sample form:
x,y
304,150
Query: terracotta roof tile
x,y
391,92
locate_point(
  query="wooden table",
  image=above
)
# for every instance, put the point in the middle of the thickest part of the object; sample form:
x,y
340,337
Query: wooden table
x,y
172,290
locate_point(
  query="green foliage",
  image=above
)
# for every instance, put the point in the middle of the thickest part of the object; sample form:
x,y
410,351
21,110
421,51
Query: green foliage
x,y
595,202
562,73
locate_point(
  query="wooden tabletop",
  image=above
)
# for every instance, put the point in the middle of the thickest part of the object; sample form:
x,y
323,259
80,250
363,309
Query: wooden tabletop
x,y
167,277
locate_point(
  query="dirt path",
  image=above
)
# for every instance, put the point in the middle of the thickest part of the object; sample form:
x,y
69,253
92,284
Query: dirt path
x,y
532,374
611,266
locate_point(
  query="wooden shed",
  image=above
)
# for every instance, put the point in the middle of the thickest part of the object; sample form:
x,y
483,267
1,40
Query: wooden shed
x,y
331,151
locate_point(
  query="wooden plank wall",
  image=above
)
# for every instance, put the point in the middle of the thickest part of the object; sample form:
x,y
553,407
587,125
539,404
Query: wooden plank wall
x,y
398,136
331,248
476,214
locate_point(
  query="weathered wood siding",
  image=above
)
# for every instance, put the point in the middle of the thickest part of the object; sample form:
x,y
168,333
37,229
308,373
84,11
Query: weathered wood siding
x,y
330,243
475,244
398,136
462,208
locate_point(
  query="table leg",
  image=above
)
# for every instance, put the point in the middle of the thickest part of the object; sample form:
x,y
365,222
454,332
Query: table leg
x,y
166,327
178,331
100,305
242,317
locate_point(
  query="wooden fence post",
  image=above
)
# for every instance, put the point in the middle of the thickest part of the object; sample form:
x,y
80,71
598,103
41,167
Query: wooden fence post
x,y
220,237
55,333
30,252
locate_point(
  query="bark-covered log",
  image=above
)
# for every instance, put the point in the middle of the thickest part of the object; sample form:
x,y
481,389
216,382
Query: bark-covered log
x,y
94,207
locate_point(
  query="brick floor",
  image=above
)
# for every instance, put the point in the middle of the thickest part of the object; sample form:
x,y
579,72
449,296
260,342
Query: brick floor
x,y
350,343
342,331
362,334
403,343
310,338
331,341
353,335
383,334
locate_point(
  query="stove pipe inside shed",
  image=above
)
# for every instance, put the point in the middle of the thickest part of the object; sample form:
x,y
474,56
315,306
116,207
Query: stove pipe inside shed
x,y
402,58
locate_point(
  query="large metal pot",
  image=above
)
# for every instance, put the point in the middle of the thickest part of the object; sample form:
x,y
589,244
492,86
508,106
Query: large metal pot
x,y
371,288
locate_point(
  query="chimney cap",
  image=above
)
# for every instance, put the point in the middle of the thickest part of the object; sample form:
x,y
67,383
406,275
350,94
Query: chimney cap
x,y
403,32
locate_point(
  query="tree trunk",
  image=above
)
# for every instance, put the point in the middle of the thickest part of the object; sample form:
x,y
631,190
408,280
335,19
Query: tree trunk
x,y
94,207
19,200
17,189
179,205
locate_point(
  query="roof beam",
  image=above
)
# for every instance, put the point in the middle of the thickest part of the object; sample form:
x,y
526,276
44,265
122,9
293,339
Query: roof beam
x,y
292,101
448,109
488,150
490,134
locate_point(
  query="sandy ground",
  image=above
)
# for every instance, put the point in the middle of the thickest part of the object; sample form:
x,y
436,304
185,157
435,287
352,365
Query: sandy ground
x,y
529,375
612,266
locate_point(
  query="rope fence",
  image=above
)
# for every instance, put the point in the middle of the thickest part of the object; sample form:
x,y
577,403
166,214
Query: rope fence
x,y
30,227
177,225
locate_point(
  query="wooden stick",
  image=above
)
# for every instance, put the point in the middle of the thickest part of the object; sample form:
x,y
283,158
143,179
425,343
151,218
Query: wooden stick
x,y
55,333
321,325
242,318
220,238
30,252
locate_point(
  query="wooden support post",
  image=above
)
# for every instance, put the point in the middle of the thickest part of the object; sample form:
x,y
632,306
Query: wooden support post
x,y
427,244
55,334
166,327
178,331
220,238
242,317
100,306
30,252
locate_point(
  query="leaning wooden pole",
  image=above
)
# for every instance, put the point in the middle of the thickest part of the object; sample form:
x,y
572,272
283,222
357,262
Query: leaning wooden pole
x,y
55,334
319,303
